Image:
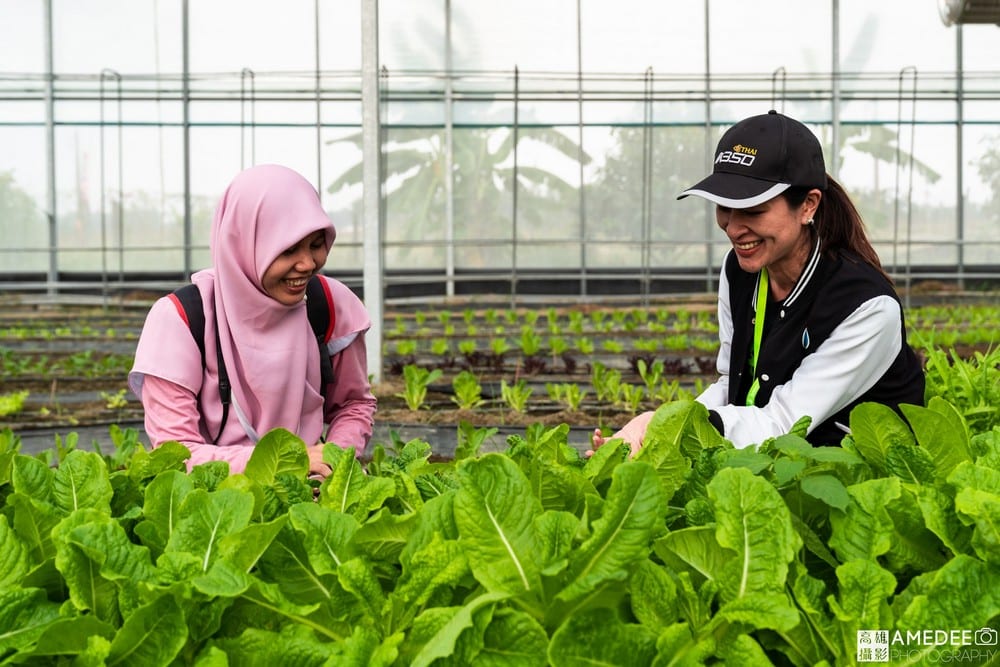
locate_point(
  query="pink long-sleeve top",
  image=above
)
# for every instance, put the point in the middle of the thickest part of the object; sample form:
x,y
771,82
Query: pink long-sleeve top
x,y
191,414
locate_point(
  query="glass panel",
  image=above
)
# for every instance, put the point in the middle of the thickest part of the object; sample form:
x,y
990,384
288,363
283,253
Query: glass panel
x,y
20,111
902,180
23,223
118,191
980,49
982,193
414,208
229,35
22,36
411,33
633,35
340,35
484,201
497,35
891,35
128,36
766,35
342,113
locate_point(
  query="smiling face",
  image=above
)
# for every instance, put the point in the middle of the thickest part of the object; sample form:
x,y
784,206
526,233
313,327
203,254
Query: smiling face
x,y
285,279
773,235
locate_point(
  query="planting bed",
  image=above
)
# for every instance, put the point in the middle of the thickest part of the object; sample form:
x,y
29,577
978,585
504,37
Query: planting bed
x,y
586,365
70,360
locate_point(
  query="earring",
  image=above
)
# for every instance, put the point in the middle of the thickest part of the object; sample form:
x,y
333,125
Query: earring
x,y
810,221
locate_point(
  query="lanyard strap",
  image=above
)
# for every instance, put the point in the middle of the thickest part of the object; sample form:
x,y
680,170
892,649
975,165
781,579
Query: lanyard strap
x,y
758,332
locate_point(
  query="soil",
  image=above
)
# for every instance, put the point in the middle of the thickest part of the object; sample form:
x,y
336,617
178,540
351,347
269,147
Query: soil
x,y
485,418
78,405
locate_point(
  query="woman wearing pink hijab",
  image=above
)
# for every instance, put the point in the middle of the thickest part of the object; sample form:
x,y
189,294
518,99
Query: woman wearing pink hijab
x,y
269,236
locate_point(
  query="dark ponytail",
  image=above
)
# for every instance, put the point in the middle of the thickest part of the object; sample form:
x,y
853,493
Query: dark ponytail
x,y
838,223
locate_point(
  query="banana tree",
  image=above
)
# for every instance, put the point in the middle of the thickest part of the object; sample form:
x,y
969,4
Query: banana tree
x,y
989,170
483,186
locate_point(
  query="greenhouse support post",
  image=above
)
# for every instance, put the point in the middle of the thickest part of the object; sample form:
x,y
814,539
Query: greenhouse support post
x,y
186,123
960,157
371,184
709,151
50,151
449,157
834,166
318,78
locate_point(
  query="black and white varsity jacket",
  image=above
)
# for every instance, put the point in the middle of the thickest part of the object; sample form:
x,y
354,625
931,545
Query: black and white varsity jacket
x,y
835,341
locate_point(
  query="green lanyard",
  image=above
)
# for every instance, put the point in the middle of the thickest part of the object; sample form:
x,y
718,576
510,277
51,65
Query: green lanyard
x,y
758,333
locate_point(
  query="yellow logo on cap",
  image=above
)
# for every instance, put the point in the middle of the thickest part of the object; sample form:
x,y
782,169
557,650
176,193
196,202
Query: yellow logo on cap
x,y
745,150
741,155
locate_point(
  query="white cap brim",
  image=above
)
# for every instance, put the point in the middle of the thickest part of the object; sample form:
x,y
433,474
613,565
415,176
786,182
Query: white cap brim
x,y
730,202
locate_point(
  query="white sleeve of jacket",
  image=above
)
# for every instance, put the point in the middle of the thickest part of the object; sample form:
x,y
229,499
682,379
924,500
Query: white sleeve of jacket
x,y
849,363
717,393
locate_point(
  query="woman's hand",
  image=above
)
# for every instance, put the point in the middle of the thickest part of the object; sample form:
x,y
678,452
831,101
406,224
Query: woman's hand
x,y
633,432
318,469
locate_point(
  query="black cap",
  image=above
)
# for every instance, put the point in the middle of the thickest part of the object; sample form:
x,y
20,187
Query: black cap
x,y
760,157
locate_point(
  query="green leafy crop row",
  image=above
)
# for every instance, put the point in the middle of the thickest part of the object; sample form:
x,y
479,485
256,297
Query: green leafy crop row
x,y
691,553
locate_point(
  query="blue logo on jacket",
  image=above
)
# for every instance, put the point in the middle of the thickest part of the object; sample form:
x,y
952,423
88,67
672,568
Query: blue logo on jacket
x,y
805,339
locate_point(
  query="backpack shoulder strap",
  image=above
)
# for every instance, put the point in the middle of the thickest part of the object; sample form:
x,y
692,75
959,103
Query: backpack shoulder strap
x,y
188,302
322,317
319,307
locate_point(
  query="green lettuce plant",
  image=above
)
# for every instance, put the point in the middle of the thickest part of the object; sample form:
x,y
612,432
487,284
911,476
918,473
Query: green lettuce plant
x,y
631,396
467,348
691,552
607,383
530,341
557,346
499,346
569,394
516,395
12,403
416,379
972,385
584,345
468,391
651,374
441,347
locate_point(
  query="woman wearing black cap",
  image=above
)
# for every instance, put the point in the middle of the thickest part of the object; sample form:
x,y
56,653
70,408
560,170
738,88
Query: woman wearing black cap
x,y
809,322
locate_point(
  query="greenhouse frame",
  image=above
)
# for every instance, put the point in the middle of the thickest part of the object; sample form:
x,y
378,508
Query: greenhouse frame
x,y
538,410
114,156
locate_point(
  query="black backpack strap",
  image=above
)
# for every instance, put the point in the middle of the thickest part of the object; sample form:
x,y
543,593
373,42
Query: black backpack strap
x,y
319,308
225,390
188,301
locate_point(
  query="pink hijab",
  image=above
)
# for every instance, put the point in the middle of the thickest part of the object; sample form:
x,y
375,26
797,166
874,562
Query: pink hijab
x,y
269,349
